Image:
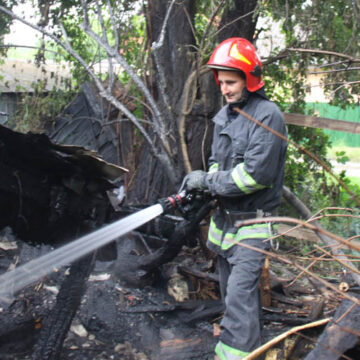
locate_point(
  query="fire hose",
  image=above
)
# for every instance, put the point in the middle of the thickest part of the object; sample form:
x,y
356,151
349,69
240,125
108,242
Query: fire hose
x,y
32,271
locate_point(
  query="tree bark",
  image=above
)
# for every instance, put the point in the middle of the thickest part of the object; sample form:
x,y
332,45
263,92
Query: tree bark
x,y
239,20
176,56
178,59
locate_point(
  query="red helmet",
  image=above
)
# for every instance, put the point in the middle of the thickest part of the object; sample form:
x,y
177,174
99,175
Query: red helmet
x,y
238,54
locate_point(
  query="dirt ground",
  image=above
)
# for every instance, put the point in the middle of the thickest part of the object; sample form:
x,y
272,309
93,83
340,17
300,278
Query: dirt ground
x,y
113,322
117,321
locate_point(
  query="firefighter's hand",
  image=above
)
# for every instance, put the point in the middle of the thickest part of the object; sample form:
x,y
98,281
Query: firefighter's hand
x,y
195,180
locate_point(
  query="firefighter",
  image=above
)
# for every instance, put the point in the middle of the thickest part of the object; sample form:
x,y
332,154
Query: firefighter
x,y
246,173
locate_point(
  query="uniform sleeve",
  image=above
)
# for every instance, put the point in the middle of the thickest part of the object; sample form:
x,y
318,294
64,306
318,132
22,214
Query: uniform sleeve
x,y
261,162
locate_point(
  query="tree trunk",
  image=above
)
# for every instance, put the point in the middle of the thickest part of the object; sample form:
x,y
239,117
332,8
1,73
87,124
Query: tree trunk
x,y
239,20
178,63
176,56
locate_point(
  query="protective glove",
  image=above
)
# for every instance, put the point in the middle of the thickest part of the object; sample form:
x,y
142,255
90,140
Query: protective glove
x,y
195,180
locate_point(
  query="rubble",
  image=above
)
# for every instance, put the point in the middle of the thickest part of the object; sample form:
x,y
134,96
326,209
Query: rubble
x,y
123,302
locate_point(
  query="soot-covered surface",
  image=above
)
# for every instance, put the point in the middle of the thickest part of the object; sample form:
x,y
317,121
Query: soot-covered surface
x,y
114,321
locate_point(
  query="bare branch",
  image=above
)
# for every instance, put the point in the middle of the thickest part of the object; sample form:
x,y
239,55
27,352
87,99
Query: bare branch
x,y
334,71
163,157
27,47
301,148
113,24
158,44
345,84
156,47
105,39
234,21
306,213
112,52
326,52
340,261
101,21
327,284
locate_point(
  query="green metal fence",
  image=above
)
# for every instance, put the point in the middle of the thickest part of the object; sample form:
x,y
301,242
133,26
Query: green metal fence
x,y
334,112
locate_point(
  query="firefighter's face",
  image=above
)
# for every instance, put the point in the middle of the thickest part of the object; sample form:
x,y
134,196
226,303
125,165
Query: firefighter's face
x,y
231,85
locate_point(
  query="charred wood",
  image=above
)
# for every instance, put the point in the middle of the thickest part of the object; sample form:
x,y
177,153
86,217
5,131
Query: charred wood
x,y
139,270
182,348
48,189
260,350
191,305
340,335
188,312
286,300
185,270
19,328
285,319
57,323
275,314
206,310
48,192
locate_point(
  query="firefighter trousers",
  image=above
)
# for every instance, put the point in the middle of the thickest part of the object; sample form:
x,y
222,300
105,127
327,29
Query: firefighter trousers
x,y
240,270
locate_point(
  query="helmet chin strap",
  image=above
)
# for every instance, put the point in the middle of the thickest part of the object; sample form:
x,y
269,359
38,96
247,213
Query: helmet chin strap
x,y
242,101
245,98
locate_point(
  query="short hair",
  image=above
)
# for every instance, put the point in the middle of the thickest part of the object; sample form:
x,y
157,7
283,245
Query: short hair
x,y
239,72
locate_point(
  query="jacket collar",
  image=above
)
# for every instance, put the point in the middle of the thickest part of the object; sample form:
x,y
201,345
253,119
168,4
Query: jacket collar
x,y
222,117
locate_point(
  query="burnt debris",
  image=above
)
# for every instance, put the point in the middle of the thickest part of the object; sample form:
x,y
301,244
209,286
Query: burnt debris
x,y
152,294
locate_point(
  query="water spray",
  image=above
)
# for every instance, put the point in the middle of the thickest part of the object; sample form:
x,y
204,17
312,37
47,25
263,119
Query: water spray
x,y
34,270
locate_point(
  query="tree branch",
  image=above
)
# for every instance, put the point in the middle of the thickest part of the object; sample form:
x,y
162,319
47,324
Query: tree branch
x,y
305,212
186,109
326,52
301,148
163,157
156,46
158,123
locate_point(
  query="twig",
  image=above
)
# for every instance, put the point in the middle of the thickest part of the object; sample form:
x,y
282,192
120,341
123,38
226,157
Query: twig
x,y
155,47
343,85
27,47
337,259
306,213
301,148
326,52
333,71
254,354
233,21
299,267
298,276
185,111
307,224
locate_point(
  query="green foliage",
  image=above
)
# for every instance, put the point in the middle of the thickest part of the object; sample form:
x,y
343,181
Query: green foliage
x,y
352,152
5,22
331,26
305,24
311,25
341,157
38,109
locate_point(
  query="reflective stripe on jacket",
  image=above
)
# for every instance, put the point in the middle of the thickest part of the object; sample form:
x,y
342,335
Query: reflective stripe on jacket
x,y
246,168
229,238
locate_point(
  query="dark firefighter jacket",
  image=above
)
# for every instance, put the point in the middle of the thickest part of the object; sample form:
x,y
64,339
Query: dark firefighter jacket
x,y
246,169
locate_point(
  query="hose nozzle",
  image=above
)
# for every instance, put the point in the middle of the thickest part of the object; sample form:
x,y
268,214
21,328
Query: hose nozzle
x,y
172,202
